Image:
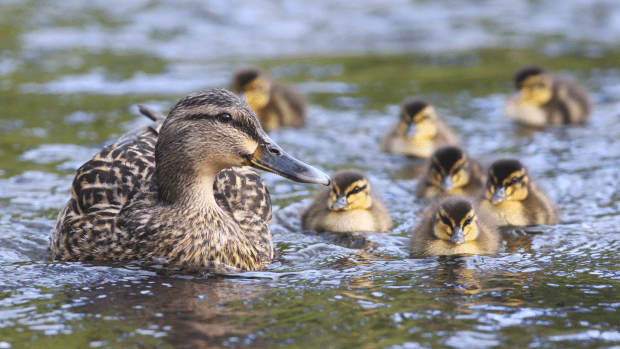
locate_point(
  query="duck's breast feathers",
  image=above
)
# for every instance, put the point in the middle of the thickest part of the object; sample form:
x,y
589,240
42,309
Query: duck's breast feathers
x,y
242,193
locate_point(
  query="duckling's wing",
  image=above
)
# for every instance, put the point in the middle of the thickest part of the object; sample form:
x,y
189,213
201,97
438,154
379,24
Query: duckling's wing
x,y
243,194
101,188
290,106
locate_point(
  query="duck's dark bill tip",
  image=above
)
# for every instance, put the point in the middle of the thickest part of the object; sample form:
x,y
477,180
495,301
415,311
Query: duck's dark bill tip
x,y
287,166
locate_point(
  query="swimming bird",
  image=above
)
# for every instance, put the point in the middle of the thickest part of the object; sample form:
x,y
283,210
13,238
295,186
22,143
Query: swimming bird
x,y
451,172
419,131
513,199
174,191
274,104
348,206
454,226
545,98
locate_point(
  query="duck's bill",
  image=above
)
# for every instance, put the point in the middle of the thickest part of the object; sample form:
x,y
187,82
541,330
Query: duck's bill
x,y
270,157
498,196
457,236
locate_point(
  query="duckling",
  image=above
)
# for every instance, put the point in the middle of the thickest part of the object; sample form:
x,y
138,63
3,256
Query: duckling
x,y
545,98
451,172
174,191
348,206
274,104
455,226
419,131
512,199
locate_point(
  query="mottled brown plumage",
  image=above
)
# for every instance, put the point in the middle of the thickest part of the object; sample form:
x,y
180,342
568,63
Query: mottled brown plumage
x,y
166,191
451,172
513,199
348,206
454,225
274,104
419,131
545,98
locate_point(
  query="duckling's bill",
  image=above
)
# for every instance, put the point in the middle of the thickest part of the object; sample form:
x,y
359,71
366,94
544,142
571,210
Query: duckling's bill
x,y
270,157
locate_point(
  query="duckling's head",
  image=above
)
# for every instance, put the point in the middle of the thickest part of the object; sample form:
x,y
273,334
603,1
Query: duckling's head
x,y
448,169
252,86
208,131
350,191
456,221
508,180
534,85
418,120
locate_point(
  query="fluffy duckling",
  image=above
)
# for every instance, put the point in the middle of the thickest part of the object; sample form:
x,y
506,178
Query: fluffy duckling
x,y
454,226
419,131
170,191
348,206
545,98
512,199
451,172
274,104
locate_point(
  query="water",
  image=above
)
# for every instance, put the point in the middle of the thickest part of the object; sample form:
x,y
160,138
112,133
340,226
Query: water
x,y
67,92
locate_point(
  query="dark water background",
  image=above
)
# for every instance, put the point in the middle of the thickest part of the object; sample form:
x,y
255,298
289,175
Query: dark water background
x,y
72,73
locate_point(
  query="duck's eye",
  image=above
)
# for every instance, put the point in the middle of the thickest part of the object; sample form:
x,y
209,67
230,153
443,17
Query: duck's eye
x,y
445,221
468,221
515,180
356,190
225,117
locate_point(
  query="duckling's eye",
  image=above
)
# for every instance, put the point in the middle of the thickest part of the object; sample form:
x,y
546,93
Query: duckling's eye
x,y
224,117
356,190
515,180
468,221
445,221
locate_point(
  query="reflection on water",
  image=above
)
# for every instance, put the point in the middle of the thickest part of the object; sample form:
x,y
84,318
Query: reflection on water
x,y
66,93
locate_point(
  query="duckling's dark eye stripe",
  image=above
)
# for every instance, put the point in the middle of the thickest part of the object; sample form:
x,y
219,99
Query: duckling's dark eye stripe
x,y
353,191
516,180
445,220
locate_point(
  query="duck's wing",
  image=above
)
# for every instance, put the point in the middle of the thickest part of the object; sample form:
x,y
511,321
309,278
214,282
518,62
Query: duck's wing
x,y
242,193
101,188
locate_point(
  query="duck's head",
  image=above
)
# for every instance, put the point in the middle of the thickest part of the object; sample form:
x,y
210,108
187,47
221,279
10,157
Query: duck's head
x,y
251,85
508,180
449,169
208,131
456,221
350,191
418,120
534,85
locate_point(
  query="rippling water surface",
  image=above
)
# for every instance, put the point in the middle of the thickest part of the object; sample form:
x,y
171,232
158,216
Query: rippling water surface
x,y
72,73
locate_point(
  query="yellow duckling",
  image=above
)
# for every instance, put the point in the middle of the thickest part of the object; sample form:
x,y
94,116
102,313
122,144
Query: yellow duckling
x,y
348,206
512,199
547,99
167,191
419,131
274,104
451,172
454,226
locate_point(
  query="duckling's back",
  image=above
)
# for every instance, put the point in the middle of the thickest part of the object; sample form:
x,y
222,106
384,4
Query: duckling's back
x,y
539,208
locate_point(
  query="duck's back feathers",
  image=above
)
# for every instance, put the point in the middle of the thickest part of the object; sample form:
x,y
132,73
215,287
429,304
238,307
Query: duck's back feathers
x,y
102,187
